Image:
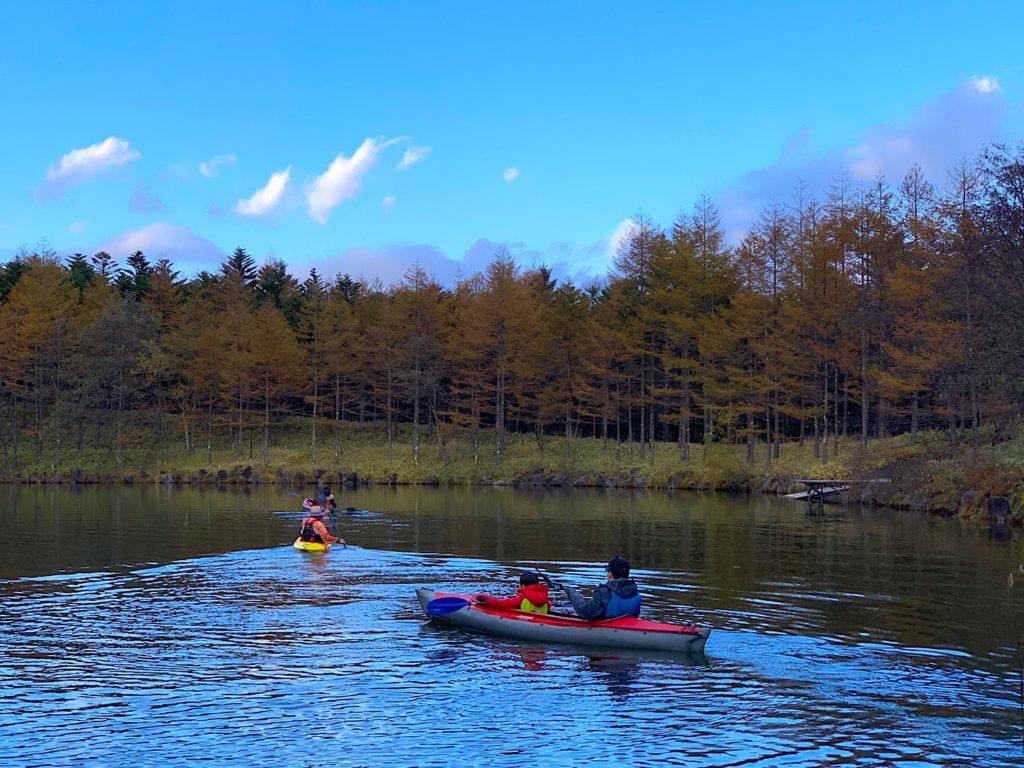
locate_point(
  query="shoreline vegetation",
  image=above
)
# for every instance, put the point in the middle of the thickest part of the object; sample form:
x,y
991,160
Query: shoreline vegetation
x,y
925,474
874,333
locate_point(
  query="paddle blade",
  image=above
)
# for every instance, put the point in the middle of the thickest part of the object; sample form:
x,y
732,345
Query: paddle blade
x,y
442,605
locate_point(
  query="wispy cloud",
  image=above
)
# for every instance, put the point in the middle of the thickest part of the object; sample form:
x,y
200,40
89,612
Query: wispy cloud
x,y
77,226
209,168
510,174
412,156
343,179
388,204
144,201
266,200
389,263
986,84
189,252
618,237
953,126
78,165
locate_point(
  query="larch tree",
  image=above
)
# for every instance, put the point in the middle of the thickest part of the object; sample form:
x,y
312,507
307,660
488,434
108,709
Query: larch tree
x,y
504,318
274,353
419,324
36,344
634,269
313,335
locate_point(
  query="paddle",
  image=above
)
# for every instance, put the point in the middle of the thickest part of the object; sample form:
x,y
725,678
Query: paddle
x,y
442,605
547,580
336,531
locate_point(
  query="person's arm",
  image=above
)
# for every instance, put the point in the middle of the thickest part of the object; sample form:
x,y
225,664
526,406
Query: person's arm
x,y
321,531
505,602
591,609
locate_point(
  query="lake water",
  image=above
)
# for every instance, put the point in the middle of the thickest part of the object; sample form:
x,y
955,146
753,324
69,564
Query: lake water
x,y
176,627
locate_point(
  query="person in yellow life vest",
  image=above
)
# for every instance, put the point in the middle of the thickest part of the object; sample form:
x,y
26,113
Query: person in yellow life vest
x,y
313,529
532,596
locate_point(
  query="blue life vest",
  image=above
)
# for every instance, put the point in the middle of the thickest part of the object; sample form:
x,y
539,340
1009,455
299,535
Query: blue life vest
x,y
622,606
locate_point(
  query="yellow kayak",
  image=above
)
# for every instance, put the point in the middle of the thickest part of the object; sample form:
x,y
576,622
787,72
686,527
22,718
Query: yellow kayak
x,y
311,546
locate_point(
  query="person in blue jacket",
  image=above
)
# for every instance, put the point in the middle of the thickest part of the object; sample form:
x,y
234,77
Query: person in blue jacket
x,y
618,596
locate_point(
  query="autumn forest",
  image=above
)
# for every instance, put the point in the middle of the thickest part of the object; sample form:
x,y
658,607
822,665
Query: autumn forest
x,y
881,308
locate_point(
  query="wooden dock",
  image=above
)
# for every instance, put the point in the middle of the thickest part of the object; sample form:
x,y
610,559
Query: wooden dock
x,y
820,491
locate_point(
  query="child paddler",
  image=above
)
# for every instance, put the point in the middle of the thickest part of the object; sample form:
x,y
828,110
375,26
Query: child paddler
x,y
532,596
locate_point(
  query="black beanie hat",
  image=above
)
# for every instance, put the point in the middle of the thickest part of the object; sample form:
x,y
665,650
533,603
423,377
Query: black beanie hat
x,y
618,567
527,578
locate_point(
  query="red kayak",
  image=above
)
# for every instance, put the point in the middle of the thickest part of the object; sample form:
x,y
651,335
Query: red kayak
x,y
623,632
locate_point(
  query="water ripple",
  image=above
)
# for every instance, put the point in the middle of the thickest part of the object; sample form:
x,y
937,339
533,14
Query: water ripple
x,y
266,657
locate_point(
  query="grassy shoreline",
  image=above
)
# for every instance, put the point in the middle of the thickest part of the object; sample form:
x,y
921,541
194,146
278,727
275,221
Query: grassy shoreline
x,y
929,474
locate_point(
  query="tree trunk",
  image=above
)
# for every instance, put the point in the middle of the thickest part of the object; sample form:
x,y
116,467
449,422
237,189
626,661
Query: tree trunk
x,y
57,430
499,416
266,418
684,428
650,431
238,438
604,415
38,391
416,418
776,448
803,424
642,403
913,419
568,434
337,415
824,422
316,399
390,420
209,432
863,386
839,423
120,419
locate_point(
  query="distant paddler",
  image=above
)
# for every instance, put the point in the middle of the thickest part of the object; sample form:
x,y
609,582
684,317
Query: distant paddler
x,y
323,500
314,536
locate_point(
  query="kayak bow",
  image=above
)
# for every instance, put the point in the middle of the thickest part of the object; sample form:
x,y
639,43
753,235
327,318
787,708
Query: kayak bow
x,y
623,632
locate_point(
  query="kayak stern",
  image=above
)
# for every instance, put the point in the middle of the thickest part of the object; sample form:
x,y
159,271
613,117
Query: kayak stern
x,y
311,546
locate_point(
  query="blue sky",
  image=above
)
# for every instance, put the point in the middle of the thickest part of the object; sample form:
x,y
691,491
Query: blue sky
x,y
362,137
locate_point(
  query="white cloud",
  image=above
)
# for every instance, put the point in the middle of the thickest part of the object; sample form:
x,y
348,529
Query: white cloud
x,y
510,174
267,199
618,236
412,156
986,85
388,204
188,251
342,179
942,132
209,168
81,164
78,226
